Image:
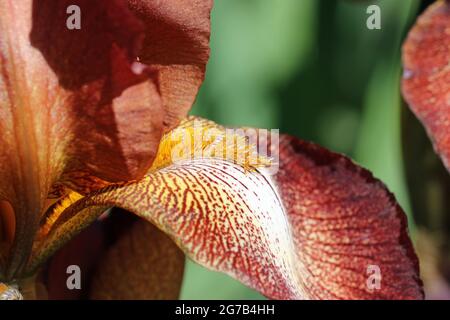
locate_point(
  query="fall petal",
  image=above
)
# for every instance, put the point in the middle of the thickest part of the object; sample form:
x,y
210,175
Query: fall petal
x,y
177,45
425,85
347,224
318,229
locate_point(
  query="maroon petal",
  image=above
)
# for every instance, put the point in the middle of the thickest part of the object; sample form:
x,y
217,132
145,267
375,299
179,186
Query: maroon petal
x,y
142,264
104,88
120,257
322,228
426,80
346,221
177,45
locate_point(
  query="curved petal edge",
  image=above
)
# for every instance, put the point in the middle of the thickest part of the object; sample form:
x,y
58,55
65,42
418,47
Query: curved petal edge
x,y
426,79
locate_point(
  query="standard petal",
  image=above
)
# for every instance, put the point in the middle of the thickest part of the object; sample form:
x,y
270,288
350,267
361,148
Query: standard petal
x,y
68,93
67,98
177,45
321,228
426,78
102,88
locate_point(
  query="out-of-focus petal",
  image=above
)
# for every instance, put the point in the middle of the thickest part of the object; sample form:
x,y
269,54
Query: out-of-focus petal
x,y
9,293
120,257
142,264
84,252
426,78
321,228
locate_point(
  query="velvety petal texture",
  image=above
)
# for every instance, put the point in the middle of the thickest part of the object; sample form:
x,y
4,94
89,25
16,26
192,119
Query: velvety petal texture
x,y
321,228
426,80
346,225
80,105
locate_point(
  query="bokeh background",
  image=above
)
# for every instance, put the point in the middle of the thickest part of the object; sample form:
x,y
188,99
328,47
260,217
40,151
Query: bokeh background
x,y
312,69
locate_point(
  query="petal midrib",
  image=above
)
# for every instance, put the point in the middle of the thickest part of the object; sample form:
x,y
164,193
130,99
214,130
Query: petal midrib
x,y
24,161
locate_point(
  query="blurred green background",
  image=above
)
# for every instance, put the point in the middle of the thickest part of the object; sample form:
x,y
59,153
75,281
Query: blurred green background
x,y
313,69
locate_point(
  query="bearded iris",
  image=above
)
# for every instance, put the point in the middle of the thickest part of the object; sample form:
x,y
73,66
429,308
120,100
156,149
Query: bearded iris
x,y
86,118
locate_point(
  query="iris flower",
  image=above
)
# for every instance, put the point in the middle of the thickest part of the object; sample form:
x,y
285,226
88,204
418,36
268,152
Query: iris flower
x,y
91,118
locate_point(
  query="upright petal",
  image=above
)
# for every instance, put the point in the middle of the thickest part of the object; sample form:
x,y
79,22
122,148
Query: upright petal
x,y
66,100
426,79
103,89
322,228
177,45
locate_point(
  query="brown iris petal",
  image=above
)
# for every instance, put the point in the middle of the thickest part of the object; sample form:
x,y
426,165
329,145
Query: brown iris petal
x,y
51,123
345,221
94,64
7,223
142,264
31,157
425,85
319,229
177,45
84,251
120,257
78,101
